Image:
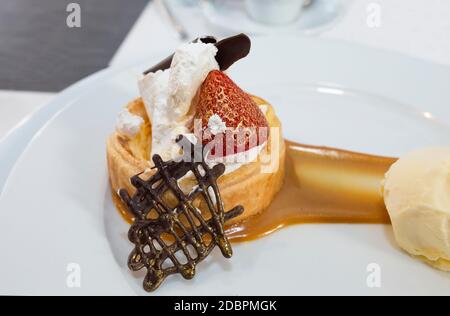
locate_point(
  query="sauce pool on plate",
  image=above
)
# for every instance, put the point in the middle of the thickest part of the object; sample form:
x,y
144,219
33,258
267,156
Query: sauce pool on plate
x,y
322,185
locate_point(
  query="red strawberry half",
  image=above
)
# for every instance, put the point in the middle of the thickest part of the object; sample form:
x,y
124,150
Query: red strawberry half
x,y
246,125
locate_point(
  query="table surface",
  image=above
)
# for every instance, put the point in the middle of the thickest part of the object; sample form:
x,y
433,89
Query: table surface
x,y
414,27
40,52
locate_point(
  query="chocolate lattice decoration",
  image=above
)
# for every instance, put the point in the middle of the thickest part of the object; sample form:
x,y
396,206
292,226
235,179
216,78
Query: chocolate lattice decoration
x,y
174,239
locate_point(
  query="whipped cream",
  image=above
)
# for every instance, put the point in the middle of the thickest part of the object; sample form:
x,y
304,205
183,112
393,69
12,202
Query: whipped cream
x,y
128,124
216,125
168,95
236,161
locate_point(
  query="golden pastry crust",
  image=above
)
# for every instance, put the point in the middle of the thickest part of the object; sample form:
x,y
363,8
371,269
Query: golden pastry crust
x,y
247,186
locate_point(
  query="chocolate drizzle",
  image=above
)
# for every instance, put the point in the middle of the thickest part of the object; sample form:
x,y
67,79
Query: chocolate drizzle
x,y
179,237
230,50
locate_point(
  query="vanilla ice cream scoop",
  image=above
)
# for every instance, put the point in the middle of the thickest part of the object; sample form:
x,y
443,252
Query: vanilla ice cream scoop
x,y
417,196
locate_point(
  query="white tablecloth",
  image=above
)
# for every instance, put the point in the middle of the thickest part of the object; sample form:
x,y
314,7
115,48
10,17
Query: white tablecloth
x,y
419,28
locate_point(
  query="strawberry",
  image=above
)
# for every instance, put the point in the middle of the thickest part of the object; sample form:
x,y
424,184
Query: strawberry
x,y
220,98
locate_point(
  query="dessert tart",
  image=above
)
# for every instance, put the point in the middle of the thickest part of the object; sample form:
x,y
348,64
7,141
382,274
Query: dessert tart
x,y
247,186
202,93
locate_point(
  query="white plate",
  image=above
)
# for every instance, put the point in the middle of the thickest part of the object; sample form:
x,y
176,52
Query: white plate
x,y
56,209
14,142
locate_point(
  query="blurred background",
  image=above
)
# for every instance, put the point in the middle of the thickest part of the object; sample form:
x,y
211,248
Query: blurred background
x,y
47,45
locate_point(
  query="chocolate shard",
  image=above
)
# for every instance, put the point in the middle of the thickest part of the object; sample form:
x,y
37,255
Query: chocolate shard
x,y
174,237
230,50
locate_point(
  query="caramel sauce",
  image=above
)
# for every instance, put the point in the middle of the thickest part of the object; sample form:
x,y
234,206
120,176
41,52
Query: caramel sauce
x,y
322,185
123,211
